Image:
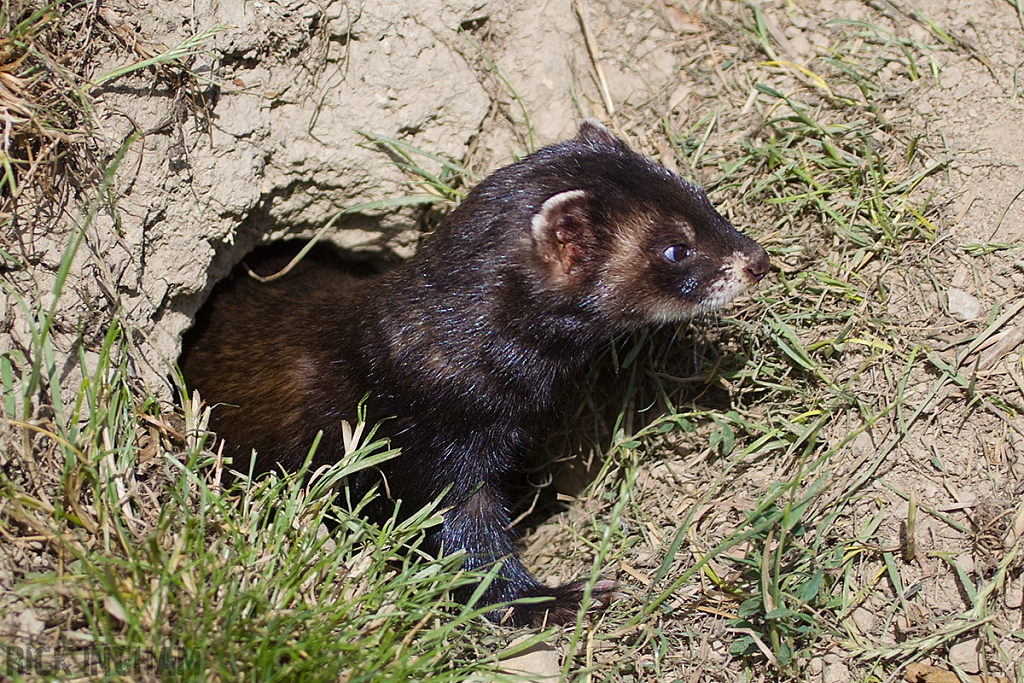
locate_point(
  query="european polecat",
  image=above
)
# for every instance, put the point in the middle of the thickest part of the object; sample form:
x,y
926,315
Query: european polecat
x,y
471,346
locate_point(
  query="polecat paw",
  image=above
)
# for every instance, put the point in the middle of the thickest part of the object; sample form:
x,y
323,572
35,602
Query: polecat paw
x,y
563,604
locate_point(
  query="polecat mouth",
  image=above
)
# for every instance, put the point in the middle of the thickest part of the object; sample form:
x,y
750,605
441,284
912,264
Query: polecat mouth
x,y
738,273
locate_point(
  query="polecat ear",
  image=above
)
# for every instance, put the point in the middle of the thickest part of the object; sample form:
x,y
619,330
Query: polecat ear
x,y
562,232
593,132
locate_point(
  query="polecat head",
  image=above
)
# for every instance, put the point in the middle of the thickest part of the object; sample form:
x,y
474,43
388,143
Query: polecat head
x,y
633,241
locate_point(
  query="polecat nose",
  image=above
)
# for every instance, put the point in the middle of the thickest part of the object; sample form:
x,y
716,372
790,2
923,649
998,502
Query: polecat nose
x,y
757,267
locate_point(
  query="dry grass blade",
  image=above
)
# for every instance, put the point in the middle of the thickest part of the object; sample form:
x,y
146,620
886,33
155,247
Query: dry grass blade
x,y
44,115
580,8
173,56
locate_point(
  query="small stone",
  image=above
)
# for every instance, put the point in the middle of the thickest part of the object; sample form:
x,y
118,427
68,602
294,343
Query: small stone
x,y
800,44
818,39
1000,281
962,306
836,670
966,655
862,444
539,662
865,620
951,77
852,10
918,33
964,90
1014,594
29,624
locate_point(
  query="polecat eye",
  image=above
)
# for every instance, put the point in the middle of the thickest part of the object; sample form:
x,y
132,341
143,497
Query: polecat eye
x,y
677,252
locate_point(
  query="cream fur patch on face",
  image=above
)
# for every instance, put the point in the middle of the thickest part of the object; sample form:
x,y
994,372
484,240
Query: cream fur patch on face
x,y
734,278
673,310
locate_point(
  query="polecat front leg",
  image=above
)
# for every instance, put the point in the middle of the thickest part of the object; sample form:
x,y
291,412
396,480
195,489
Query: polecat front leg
x,y
478,522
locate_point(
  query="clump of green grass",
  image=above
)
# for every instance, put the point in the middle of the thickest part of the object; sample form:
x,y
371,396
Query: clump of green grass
x,y
164,574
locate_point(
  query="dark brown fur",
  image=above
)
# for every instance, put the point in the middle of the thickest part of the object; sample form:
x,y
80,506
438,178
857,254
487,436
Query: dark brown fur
x,y
472,345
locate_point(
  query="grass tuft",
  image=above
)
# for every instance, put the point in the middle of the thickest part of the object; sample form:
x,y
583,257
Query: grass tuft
x,y
159,572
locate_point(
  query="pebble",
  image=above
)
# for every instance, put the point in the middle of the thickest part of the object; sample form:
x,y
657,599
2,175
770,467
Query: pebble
x,y
962,306
800,44
865,619
918,33
951,77
818,39
836,670
1000,281
539,662
1014,594
966,655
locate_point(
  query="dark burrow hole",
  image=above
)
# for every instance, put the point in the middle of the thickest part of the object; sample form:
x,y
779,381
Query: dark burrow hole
x,y
267,259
